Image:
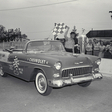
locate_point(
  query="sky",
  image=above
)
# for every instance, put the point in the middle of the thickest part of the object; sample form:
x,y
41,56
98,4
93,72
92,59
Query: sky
x,y
38,22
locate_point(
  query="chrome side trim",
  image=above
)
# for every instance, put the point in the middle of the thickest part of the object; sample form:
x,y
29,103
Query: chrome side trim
x,y
5,62
35,63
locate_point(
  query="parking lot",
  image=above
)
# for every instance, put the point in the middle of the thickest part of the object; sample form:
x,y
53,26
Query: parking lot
x,y
19,96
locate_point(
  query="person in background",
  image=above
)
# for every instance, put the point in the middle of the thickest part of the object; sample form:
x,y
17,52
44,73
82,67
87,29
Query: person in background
x,y
96,47
108,53
71,44
89,48
110,48
101,49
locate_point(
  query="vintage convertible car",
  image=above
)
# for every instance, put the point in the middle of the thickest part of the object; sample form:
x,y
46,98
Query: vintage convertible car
x,y
48,64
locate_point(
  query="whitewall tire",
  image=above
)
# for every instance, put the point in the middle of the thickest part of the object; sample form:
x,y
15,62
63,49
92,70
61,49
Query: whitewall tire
x,y
41,84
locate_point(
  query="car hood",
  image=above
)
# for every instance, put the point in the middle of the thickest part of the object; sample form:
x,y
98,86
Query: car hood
x,y
69,59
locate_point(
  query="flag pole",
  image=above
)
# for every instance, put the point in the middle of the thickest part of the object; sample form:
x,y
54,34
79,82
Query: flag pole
x,y
49,35
51,32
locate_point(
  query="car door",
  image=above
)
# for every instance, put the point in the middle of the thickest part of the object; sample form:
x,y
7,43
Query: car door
x,y
18,65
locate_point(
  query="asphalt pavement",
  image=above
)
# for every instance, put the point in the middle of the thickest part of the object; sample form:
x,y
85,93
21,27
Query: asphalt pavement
x,y
19,96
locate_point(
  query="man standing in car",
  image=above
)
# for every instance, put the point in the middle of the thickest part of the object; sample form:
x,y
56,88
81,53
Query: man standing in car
x,y
71,44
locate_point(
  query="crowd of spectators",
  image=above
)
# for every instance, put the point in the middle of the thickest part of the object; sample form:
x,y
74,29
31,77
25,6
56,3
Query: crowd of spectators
x,y
99,48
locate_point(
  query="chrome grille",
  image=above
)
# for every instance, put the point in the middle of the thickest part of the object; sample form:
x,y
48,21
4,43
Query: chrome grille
x,y
76,71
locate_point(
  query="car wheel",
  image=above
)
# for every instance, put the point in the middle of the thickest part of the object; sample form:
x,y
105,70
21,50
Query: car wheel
x,y
41,84
84,84
2,74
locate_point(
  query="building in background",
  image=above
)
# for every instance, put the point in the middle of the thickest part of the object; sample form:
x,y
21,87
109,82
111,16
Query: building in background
x,y
105,35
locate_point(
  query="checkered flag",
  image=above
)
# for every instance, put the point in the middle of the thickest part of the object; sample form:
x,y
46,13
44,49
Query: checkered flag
x,y
58,29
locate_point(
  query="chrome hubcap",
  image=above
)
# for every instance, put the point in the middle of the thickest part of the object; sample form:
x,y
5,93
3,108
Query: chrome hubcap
x,y
41,83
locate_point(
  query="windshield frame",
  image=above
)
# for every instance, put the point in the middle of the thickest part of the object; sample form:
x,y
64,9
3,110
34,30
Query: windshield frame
x,y
63,49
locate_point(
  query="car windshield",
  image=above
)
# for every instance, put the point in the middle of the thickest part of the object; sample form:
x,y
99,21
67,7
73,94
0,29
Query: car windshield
x,y
43,46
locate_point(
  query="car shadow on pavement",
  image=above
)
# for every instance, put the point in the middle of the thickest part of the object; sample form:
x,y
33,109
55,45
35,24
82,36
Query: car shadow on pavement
x,y
16,84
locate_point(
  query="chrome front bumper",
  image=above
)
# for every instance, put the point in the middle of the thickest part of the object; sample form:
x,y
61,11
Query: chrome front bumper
x,y
75,80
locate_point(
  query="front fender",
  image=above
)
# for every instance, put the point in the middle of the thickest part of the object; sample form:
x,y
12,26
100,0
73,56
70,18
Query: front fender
x,y
93,60
48,72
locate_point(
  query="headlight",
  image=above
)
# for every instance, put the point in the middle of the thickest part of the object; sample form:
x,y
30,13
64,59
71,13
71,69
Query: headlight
x,y
57,65
98,61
